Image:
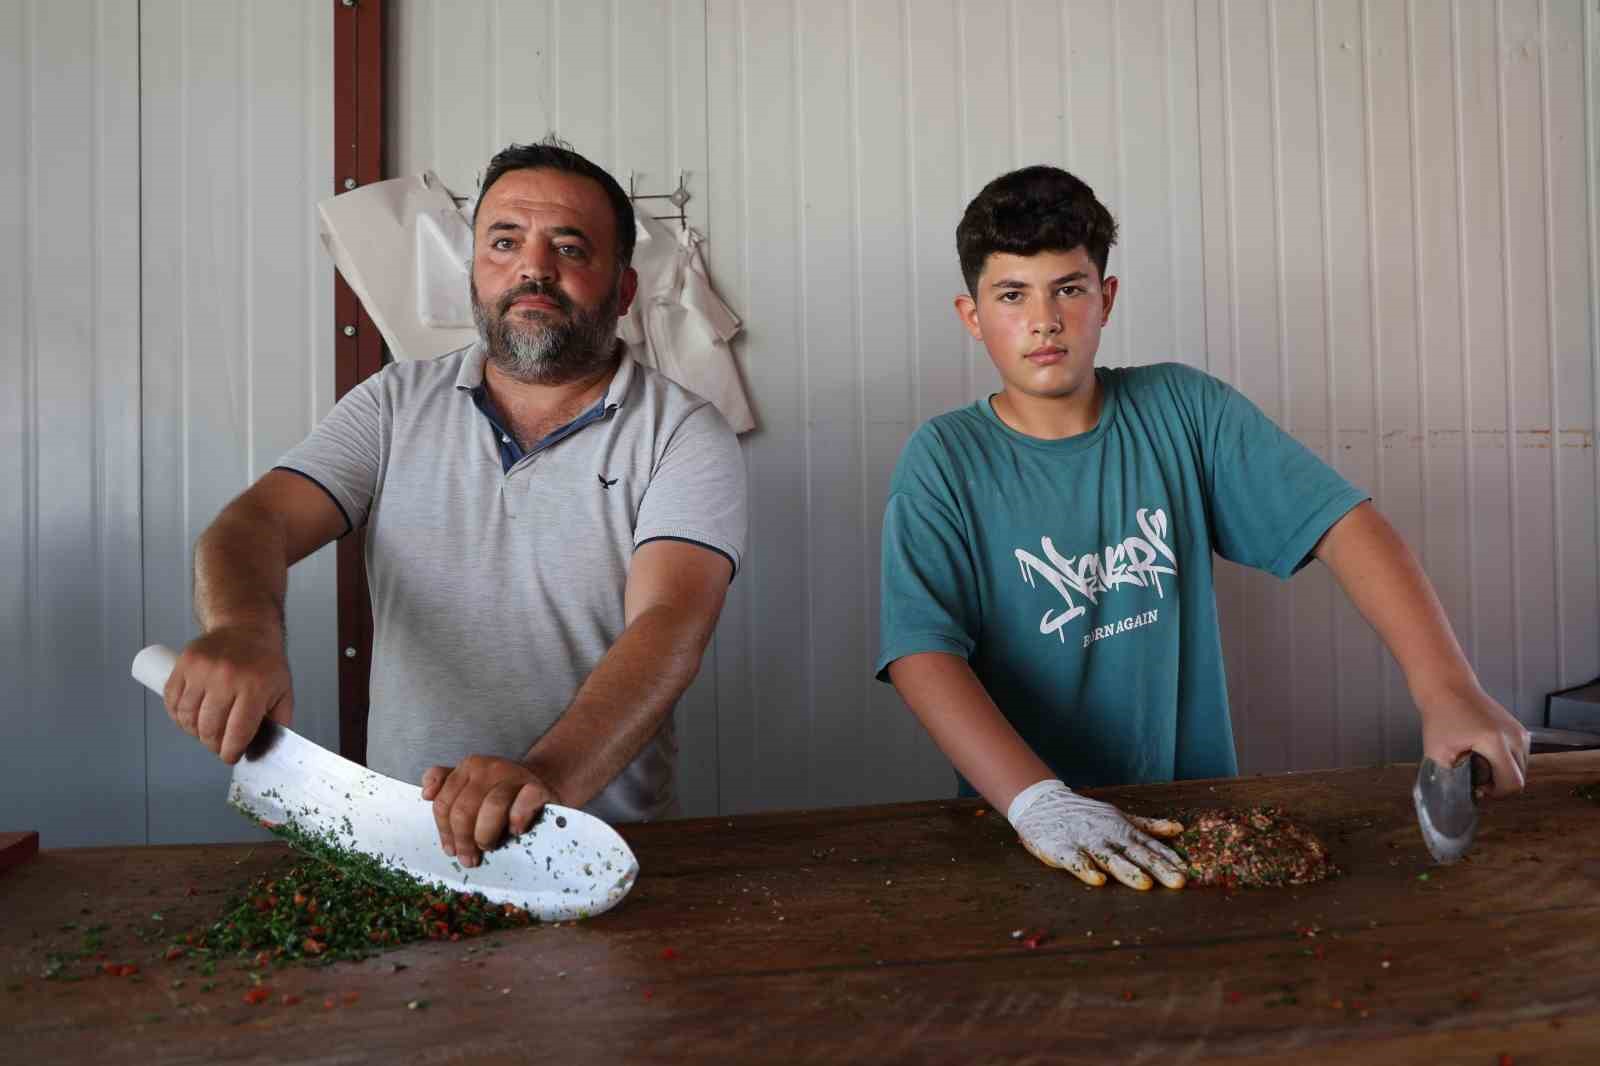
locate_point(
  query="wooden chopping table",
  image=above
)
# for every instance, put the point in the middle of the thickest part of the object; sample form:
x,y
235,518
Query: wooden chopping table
x,y
886,934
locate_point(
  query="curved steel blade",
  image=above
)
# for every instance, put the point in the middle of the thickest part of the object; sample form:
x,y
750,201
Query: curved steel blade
x,y
1447,813
568,865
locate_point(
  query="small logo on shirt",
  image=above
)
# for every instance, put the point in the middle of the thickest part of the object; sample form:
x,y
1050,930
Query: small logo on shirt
x,y
604,483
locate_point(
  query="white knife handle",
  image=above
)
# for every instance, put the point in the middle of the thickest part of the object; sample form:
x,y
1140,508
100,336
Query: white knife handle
x,y
153,666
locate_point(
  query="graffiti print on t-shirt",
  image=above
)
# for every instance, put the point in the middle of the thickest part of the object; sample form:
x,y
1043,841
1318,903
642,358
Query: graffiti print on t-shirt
x,y
1138,561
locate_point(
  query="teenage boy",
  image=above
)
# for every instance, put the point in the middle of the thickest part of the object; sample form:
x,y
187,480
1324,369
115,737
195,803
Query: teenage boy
x,y
1048,607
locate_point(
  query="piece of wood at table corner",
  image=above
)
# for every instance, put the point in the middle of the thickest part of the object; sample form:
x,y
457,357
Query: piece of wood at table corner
x,y
17,848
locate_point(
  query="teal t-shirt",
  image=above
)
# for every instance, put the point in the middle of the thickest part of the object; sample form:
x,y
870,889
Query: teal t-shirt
x,y
1076,575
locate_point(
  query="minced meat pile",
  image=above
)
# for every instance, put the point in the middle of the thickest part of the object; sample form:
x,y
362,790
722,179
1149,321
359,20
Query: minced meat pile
x,y
1250,847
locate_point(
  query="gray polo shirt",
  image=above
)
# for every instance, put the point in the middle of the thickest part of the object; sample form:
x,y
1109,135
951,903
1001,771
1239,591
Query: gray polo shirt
x,y
495,592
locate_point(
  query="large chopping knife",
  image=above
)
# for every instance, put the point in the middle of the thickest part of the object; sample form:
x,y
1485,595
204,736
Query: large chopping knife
x,y
567,865
1447,804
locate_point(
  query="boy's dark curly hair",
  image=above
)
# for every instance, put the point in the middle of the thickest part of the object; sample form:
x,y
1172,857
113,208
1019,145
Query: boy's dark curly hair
x,y
1035,209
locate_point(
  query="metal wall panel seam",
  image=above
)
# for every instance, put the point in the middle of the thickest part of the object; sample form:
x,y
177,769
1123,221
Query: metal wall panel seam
x,y
674,160
184,397
1013,88
797,73
27,168
309,241
1550,334
1230,206
1119,163
1506,348
1199,121
1167,85
96,334
1327,348
1374,338
1280,271
491,41
1068,151
1464,293
612,53
244,79
1240,711
742,185
1592,116
138,303
1418,295
554,65
867,596
913,207
965,164
433,104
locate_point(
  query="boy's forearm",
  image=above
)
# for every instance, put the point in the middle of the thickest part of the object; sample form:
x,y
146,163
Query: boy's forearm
x,y
1387,585
241,571
956,710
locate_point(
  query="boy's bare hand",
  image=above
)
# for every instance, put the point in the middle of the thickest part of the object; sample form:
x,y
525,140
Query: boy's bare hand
x,y
1458,721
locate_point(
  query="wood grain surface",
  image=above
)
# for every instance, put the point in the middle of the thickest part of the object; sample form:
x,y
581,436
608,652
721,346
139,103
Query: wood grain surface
x,y
884,934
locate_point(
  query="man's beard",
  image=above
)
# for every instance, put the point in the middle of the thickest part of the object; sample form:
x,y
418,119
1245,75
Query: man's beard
x,y
538,351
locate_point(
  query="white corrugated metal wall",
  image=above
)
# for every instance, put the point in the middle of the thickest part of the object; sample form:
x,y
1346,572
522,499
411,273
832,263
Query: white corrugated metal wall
x,y
72,731
165,333
1376,218
237,147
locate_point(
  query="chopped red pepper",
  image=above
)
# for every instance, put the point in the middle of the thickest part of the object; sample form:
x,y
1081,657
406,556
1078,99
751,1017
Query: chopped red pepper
x,y
289,999
329,1003
668,953
1035,938
174,953
1235,997
257,995
350,998
1128,996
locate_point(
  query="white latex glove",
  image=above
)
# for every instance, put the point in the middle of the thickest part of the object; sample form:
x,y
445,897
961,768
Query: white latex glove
x,y
1085,836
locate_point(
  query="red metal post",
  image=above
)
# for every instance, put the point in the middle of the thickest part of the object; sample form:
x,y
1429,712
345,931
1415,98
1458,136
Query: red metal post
x,y
358,347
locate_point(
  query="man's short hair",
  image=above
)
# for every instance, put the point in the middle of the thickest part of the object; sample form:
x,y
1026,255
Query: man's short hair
x,y
553,153
1032,210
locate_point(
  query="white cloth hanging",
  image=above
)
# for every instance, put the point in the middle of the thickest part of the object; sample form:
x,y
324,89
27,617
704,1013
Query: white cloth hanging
x,y
679,325
384,237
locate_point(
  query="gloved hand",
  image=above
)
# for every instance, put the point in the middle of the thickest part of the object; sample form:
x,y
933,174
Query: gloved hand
x,y
1085,836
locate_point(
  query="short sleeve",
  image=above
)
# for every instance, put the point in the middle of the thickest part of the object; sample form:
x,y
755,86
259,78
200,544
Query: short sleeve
x,y
697,490
344,452
1272,498
928,596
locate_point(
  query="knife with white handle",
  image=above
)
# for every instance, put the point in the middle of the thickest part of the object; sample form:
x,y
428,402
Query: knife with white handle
x,y
567,865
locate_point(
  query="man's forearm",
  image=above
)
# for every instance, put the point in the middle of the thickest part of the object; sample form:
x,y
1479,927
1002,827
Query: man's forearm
x,y
621,705
1388,586
241,571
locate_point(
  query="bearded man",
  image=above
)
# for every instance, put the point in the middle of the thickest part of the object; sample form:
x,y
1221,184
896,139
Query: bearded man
x,y
550,531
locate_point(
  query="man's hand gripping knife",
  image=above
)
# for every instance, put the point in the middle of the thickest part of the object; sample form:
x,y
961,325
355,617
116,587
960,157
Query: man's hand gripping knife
x,y
1086,837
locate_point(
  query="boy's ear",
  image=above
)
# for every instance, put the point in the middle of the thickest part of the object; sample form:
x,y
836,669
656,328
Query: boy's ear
x,y
1108,296
967,311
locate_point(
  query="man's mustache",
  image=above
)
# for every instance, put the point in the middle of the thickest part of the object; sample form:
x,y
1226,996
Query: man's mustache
x,y
533,288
